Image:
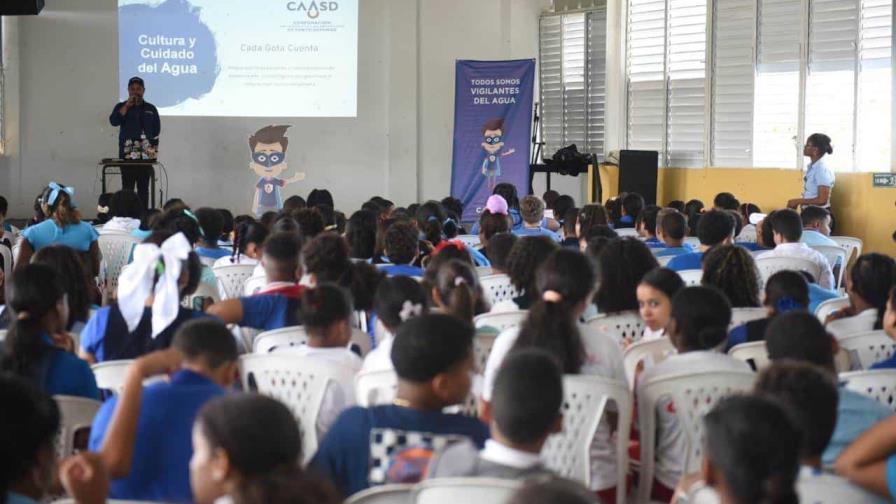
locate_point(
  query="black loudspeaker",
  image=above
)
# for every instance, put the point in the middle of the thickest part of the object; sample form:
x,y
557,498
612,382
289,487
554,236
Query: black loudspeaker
x,y
637,173
20,7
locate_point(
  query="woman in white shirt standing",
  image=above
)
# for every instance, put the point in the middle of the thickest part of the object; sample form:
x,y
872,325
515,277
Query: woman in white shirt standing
x,y
868,285
819,180
655,293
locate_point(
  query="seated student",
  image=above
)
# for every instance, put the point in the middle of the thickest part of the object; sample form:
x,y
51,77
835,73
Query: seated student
x,y
493,220
526,255
785,291
248,244
227,228
725,201
179,219
738,230
37,347
29,424
5,226
311,222
564,204
646,226
401,250
595,237
327,318
80,291
671,228
212,224
63,226
532,211
277,304
148,311
632,204
126,209
591,215
360,233
433,357
800,336
565,283
868,285
621,264
870,461
732,270
525,410
655,294
159,470
810,396
499,247
888,324
788,228
697,328
570,237
456,291
715,227
397,300
326,259
816,226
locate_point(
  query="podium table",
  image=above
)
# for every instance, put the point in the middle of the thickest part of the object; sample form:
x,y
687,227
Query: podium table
x,y
117,166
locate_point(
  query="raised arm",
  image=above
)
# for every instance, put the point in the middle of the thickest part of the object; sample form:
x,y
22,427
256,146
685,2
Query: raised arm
x,y
118,113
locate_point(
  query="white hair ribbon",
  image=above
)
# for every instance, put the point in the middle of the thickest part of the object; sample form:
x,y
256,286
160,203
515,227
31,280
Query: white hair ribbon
x,y
136,283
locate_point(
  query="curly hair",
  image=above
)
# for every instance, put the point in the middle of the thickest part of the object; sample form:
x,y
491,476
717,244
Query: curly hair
x,y
526,255
621,265
326,257
401,243
732,270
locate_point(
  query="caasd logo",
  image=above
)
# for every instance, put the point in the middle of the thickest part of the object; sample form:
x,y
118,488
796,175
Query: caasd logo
x,y
313,8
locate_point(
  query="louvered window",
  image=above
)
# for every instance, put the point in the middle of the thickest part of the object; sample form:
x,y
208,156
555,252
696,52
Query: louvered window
x,y
734,33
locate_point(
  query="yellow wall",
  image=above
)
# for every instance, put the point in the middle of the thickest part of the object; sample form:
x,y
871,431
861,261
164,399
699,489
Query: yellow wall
x,y
861,210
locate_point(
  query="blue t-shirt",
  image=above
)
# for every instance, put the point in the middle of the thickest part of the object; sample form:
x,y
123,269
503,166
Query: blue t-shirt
x,y
160,469
66,374
689,261
626,221
77,236
539,231
654,242
388,444
818,295
402,270
212,253
478,257
269,192
751,246
819,174
856,413
270,311
685,248
813,238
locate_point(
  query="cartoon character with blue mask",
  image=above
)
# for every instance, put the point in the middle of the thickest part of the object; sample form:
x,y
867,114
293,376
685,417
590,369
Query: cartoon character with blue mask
x,y
492,144
268,147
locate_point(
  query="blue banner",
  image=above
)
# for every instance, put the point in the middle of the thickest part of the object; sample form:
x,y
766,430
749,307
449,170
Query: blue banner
x,y
492,129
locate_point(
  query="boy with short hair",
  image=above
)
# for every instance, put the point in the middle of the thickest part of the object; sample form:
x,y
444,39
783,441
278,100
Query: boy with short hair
x,y
498,249
524,411
277,304
646,226
632,204
401,248
788,229
799,336
211,222
433,357
715,227
159,467
816,226
671,229
532,212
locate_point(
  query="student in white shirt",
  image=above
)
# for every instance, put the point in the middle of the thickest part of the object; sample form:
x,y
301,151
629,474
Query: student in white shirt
x,y
698,329
326,316
655,293
868,285
524,258
397,299
126,210
248,241
788,229
566,283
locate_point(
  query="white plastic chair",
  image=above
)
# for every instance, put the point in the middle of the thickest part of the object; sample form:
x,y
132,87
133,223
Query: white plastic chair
x,y
655,351
484,271
195,300
76,414
832,489
694,395
298,382
458,490
740,316
877,383
110,375
482,347
373,388
232,278
828,307
116,247
836,256
498,288
627,233
2,335
585,401
693,241
851,244
768,266
254,284
867,348
501,320
620,326
691,278
279,338
399,493
754,353
747,235
664,260
469,240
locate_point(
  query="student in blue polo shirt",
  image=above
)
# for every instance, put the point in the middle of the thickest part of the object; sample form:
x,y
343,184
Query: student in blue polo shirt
x,y
433,357
532,211
159,469
645,224
401,249
716,227
278,304
632,204
148,310
212,223
671,229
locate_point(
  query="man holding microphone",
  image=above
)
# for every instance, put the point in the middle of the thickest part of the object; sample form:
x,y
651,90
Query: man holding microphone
x,y
136,118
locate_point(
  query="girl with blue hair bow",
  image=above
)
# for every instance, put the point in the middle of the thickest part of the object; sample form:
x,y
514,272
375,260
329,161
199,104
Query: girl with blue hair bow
x,y
63,226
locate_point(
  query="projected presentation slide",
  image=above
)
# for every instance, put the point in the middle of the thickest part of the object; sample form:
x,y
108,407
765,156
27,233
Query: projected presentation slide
x,y
242,58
